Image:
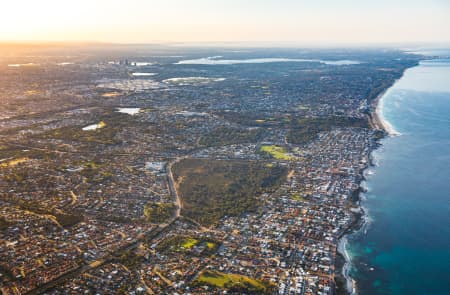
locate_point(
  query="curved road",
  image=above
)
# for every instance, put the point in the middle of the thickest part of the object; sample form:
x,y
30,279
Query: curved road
x,y
173,189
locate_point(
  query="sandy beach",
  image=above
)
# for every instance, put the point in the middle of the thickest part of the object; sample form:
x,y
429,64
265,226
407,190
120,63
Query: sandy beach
x,y
377,119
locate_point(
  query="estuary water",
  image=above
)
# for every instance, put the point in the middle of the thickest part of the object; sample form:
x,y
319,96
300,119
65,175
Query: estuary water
x,y
405,246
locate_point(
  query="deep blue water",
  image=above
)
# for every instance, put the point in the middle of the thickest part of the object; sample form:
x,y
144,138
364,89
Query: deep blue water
x,y
405,248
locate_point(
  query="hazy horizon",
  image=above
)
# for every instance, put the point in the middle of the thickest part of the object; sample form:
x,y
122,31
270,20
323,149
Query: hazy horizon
x,y
253,22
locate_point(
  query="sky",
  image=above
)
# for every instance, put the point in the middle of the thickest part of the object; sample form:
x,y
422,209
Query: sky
x,y
274,21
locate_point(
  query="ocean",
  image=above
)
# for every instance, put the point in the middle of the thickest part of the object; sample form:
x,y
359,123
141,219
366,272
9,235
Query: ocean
x,y
404,247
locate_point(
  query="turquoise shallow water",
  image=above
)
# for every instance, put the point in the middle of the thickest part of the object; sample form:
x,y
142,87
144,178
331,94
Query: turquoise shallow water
x,y
405,247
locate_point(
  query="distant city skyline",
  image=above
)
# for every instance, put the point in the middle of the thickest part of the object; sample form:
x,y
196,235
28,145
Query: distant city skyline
x,y
273,21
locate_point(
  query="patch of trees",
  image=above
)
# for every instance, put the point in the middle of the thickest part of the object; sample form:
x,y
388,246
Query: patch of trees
x,y
303,130
114,123
130,259
212,189
4,224
225,136
65,219
248,118
159,212
114,218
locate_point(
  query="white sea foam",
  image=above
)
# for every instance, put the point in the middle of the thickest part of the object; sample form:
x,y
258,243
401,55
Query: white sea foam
x,y
386,124
364,186
370,172
214,60
350,282
342,249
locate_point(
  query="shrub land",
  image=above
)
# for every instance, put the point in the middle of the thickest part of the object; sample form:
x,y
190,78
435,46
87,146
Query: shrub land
x,y
212,189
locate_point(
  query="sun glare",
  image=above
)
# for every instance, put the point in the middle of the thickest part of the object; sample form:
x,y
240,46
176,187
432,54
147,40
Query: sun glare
x,y
219,20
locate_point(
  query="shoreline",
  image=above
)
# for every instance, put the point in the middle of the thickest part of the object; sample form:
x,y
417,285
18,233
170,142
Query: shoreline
x,y
376,118
354,268
345,284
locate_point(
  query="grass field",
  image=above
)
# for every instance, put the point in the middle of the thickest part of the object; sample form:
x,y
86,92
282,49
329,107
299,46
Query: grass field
x,y
277,152
232,281
14,162
298,198
205,246
188,243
